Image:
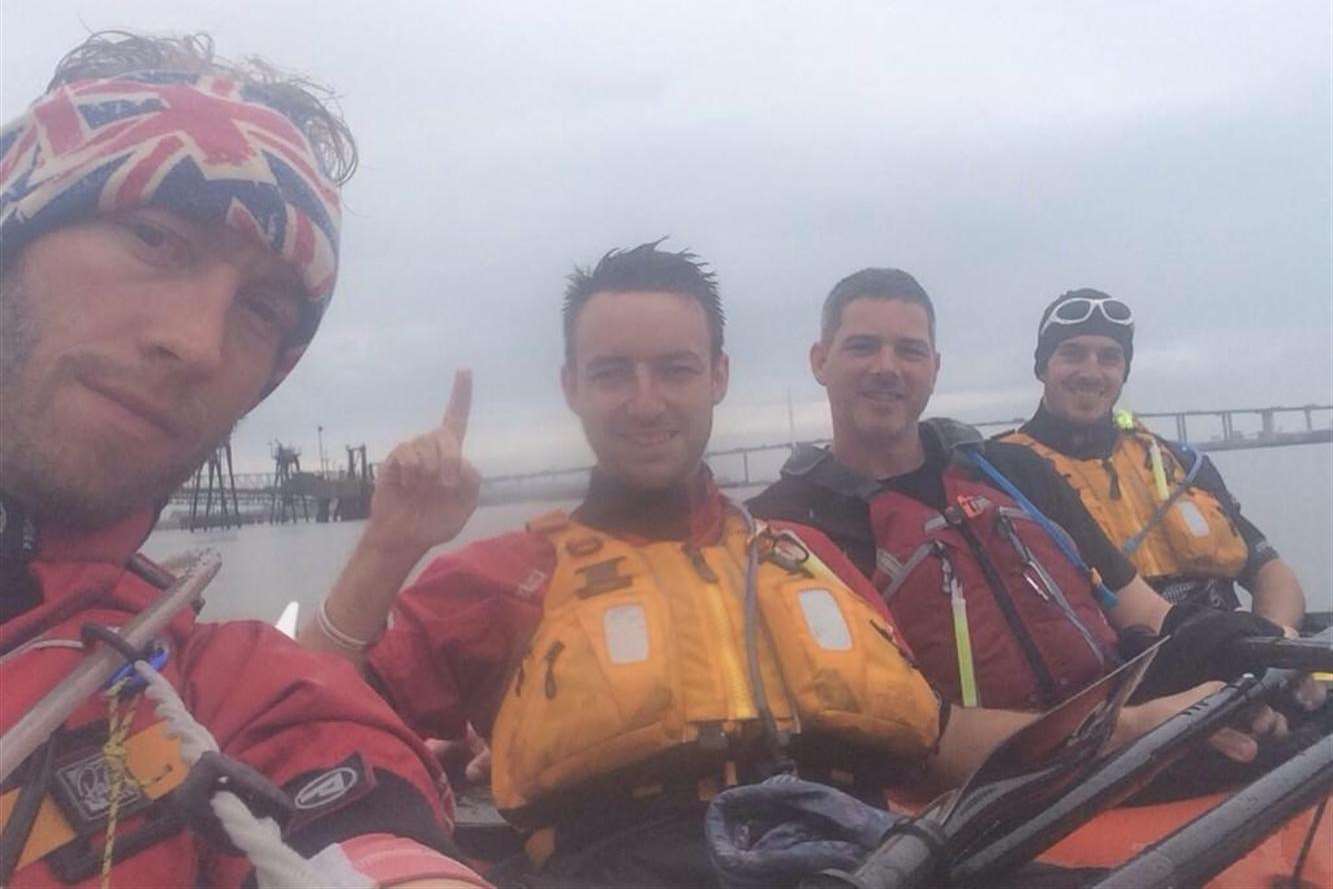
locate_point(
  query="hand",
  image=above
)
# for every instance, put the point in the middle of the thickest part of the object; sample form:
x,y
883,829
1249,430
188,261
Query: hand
x,y
1239,744
1309,693
472,750
425,491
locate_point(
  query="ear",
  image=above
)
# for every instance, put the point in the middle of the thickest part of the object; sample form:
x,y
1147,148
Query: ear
x,y
818,355
721,377
569,384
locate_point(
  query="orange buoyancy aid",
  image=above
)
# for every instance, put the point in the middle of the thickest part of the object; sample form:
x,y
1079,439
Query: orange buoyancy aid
x,y
1195,536
642,658
996,615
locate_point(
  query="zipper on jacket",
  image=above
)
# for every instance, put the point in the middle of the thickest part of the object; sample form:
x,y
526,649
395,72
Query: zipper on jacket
x,y
740,706
1045,679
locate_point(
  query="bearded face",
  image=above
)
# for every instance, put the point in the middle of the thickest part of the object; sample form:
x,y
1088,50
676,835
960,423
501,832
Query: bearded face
x,y
129,348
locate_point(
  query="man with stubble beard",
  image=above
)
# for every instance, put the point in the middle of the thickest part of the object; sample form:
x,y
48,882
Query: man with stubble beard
x,y
1163,504
169,227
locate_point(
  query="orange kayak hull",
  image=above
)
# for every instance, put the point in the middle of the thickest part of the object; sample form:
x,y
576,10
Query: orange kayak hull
x,y
1115,836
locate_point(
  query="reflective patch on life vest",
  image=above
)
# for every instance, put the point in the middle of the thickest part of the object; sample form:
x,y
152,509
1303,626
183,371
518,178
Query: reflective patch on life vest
x,y
1194,519
824,620
625,628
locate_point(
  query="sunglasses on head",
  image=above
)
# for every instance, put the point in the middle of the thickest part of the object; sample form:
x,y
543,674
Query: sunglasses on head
x,y
1080,309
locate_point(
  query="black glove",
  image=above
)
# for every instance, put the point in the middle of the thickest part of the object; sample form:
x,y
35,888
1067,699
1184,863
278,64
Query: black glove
x,y
1196,649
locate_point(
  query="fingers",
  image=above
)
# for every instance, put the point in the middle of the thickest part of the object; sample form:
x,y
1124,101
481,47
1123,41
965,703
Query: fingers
x,y
436,458
478,770
438,748
1235,745
448,439
412,463
460,405
1310,694
1268,722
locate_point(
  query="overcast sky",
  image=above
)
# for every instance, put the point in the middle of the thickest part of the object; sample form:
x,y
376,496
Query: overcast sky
x,y
1176,155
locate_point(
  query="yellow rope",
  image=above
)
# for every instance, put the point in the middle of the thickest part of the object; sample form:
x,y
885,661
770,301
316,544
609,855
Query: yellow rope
x,y
113,751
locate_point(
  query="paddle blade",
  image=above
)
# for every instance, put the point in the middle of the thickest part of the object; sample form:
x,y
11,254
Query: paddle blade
x,y
286,622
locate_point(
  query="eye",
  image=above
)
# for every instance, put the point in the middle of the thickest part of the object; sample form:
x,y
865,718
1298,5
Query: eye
x,y
156,244
275,309
679,371
608,373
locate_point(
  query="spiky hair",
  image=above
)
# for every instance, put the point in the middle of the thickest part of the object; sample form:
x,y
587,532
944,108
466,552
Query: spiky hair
x,y
642,269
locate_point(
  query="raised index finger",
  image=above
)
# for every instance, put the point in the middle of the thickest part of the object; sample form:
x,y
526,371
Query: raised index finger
x,y
460,404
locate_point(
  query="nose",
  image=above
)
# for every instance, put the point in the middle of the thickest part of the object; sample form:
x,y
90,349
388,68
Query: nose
x,y
186,318
885,362
646,403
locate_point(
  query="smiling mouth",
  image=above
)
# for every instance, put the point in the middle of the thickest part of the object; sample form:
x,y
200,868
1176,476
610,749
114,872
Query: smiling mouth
x,y
139,409
883,397
649,439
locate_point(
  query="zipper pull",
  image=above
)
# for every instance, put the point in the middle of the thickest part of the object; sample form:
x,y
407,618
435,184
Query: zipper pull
x,y
551,654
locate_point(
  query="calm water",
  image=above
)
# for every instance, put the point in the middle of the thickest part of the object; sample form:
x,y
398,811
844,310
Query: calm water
x,y
1287,492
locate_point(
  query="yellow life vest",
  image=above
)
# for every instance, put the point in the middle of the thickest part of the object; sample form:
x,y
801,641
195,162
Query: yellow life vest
x,y
640,661
1194,538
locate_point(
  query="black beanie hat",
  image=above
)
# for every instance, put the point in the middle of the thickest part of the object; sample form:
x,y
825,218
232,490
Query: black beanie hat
x,y
1096,324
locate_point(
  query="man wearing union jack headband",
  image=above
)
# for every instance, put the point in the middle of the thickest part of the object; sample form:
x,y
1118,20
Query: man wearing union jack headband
x,y
168,242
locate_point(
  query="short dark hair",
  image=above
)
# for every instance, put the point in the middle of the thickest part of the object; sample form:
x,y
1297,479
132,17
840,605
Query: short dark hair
x,y
873,283
641,269
311,107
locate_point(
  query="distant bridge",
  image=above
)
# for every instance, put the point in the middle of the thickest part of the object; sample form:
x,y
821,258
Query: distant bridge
x,y
758,464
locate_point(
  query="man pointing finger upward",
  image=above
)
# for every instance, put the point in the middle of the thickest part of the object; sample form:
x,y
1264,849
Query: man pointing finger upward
x,y
424,495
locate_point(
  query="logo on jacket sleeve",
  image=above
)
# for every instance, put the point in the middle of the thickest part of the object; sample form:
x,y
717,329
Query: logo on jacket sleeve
x,y
327,788
319,793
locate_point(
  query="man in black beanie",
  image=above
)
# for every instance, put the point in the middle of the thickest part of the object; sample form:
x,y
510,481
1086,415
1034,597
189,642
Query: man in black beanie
x,y
1163,504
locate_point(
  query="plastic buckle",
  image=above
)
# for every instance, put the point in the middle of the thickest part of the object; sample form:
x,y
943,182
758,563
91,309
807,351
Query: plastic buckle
x,y
156,658
785,550
155,653
215,772
971,506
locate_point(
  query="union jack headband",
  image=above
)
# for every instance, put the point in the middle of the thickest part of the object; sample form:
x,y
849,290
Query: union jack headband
x,y
207,147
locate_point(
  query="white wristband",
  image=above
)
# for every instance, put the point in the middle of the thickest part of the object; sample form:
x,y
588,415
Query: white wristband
x,y
337,636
